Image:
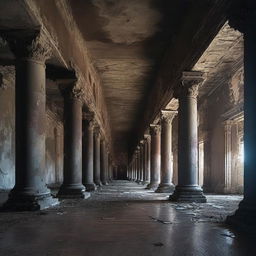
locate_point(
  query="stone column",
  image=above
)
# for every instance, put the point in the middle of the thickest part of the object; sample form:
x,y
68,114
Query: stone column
x,y
155,154
135,166
110,168
228,156
166,184
107,165
188,189
72,186
138,164
244,19
148,138
88,126
58,160
146,160
142,167
115,172
30,191
96,156
103,177
131,169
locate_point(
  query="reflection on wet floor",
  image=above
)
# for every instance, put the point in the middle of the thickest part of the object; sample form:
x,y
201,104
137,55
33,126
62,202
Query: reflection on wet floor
x,y
125,219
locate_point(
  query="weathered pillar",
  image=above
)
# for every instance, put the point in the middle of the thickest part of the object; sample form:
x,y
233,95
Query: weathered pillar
x,y
188,189
146,160
245,21
138,164
72,186
96,156
131,170
142,167
166,184
134,168
107,165
58,162
103,177
88,168
30,191
148,141
155,154
228,155
109,168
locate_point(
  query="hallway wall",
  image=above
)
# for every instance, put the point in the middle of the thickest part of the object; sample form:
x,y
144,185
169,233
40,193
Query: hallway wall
x,y
222,107
7,136
7,124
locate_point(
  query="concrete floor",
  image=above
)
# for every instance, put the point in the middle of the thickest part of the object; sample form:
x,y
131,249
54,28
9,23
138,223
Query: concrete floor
x,y
124,219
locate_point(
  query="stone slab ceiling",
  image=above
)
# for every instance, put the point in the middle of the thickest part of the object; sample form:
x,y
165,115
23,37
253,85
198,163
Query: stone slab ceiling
x,y
127,40
221,60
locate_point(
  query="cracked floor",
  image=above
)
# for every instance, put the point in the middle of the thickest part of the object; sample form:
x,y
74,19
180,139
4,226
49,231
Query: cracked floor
x,y
125,219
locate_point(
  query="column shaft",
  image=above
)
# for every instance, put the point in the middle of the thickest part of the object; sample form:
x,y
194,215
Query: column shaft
x,y
88,125
146,162
155,154
166,184
188,188
103,162
30,191
72,186
142,167
96,157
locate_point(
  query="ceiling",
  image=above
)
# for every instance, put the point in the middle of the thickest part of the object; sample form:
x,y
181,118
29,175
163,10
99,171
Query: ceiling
x,y
127,40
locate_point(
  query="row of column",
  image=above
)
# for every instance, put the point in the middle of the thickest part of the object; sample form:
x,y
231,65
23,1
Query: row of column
x,y
86,158
161,163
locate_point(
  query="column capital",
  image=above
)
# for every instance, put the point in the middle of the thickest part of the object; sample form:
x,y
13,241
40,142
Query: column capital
x,y
97,131
76,93
147,137
73,92
167,116
155,129
190,82
28,44
90,118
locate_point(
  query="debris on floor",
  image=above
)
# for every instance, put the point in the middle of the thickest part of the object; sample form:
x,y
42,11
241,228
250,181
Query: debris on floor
x,y
158,244
161,221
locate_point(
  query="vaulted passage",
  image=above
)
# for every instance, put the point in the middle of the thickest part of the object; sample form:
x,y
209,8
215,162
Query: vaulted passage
x,y
130,120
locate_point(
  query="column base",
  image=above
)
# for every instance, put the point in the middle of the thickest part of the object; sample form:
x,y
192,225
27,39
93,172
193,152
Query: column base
x,y
72,191
21,201
90,187
145,182
105,183
244,218
188,194
98,183
165,188
152,186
